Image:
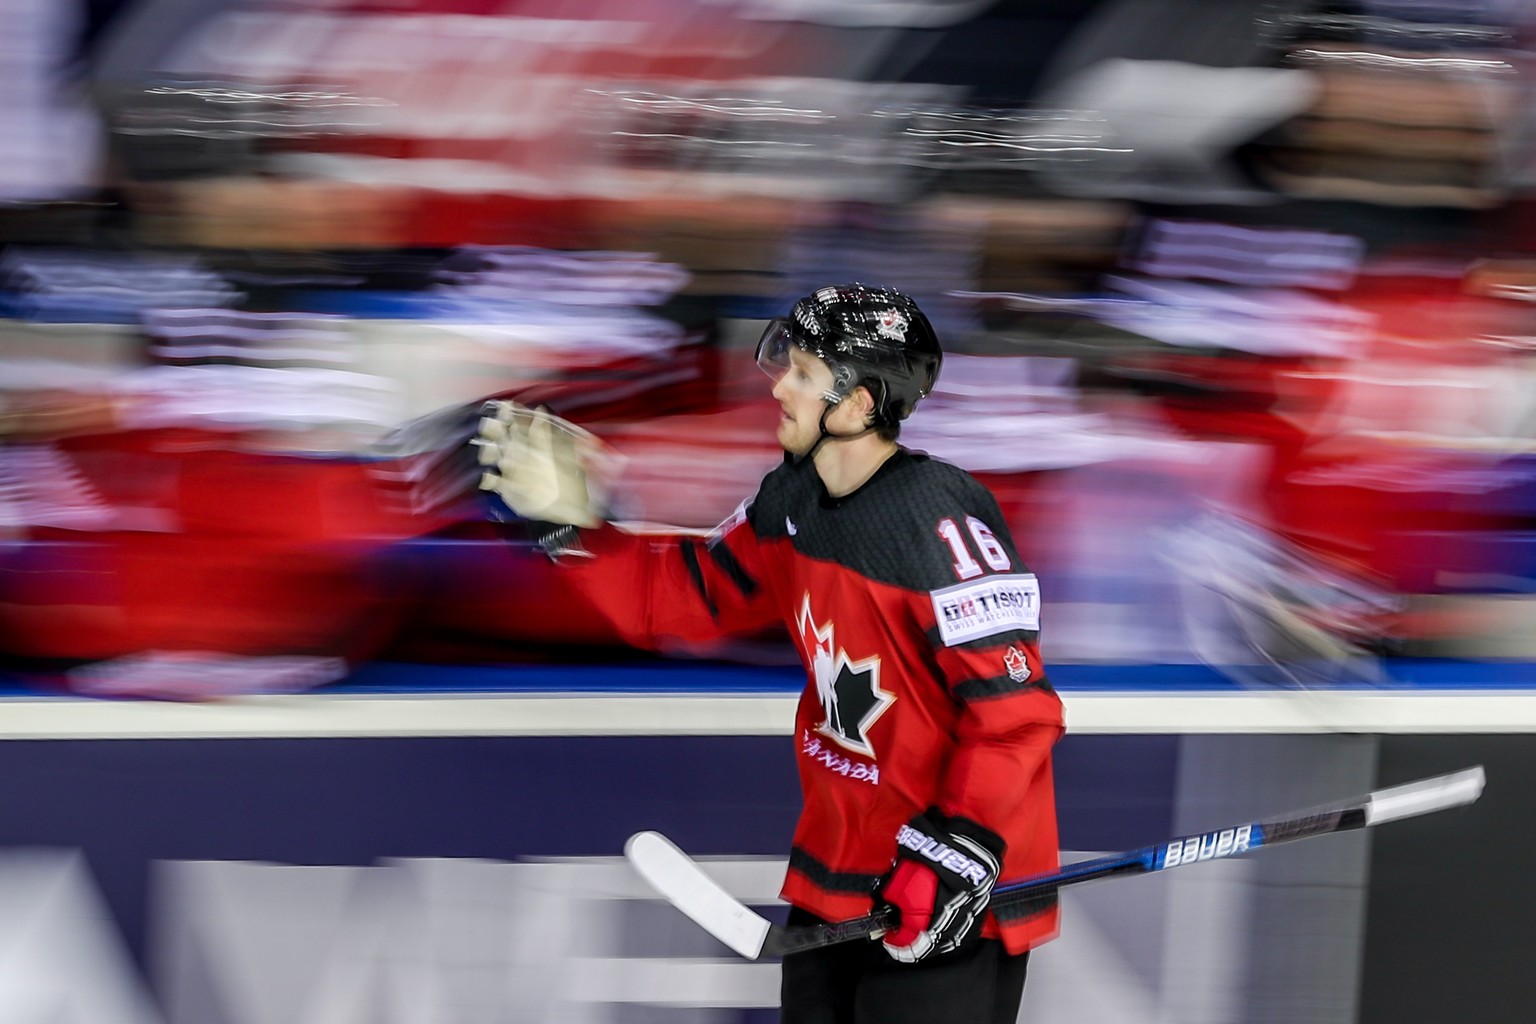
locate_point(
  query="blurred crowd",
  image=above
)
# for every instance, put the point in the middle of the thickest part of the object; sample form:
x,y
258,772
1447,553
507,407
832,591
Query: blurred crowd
x,y
1237,300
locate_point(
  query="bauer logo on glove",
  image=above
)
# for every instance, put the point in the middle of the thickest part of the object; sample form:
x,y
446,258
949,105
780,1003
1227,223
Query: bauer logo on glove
x,y
941,853
542,467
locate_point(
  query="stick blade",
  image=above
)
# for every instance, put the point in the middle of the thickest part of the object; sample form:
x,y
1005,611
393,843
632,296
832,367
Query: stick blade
x,y
1425,796
679,878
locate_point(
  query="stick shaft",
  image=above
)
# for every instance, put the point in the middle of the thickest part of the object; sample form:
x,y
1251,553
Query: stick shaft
x,y
1415,798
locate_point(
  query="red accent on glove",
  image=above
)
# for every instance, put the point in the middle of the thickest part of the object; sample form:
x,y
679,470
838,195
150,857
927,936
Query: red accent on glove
x,y
912,889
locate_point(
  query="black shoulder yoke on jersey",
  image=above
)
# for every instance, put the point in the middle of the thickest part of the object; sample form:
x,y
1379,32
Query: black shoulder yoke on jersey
x,y
888,529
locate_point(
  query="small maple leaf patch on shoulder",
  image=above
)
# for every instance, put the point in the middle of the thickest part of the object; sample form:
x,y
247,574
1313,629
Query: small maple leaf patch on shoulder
x,y
1017,665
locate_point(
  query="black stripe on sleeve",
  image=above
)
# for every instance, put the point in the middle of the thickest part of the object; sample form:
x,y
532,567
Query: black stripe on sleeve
x,y
690,553
997,686
722,556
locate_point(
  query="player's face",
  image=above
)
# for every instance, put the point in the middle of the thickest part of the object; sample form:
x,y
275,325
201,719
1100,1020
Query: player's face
x,y
799,391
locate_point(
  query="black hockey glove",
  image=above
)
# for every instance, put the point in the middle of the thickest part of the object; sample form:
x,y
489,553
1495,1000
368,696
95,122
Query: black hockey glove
x,y
940,883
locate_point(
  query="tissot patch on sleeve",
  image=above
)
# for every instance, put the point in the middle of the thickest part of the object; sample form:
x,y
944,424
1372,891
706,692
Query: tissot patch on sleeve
x,y
984,607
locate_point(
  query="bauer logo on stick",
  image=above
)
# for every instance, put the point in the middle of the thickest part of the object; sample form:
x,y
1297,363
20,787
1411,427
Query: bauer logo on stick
x,y
1224,843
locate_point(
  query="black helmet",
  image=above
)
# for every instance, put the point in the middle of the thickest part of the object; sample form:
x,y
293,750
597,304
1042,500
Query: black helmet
x,y
876,337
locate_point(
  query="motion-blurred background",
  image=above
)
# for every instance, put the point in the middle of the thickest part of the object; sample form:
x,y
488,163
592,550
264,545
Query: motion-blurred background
x,y
1237,300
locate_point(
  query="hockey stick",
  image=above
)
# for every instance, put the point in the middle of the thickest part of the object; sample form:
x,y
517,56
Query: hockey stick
x,y
686,886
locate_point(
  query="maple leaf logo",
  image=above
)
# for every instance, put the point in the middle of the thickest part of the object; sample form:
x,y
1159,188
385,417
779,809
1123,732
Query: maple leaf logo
x,y
1016,664
849,690
891,324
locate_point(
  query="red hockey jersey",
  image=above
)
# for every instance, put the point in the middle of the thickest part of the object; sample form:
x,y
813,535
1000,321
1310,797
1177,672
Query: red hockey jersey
x,y
918,625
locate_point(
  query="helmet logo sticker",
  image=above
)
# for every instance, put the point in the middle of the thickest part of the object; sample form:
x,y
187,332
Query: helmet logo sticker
x,y
805,319
891,324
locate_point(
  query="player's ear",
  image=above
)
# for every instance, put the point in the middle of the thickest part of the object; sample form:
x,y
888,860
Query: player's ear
x,y
864,404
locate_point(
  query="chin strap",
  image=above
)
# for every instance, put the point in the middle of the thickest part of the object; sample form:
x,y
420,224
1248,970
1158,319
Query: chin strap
x,y
827,435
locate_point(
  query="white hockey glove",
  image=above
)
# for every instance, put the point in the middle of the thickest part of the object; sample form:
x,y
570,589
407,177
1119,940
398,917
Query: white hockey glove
x,y
539,465
940,884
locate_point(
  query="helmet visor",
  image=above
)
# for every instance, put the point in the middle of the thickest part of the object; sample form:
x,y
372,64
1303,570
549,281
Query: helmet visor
x,y
773,348
774,358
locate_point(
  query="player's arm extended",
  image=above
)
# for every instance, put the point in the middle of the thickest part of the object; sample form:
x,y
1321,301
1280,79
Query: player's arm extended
x,y
660,591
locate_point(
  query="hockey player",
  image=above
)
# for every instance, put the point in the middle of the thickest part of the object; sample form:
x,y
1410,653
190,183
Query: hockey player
x,y
925,729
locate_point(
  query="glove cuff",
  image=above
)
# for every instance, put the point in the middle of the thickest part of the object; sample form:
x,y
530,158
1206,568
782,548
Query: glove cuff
x,y
970,829
559,540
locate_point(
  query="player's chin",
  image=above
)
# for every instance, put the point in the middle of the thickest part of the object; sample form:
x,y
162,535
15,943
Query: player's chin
x,y
790,439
